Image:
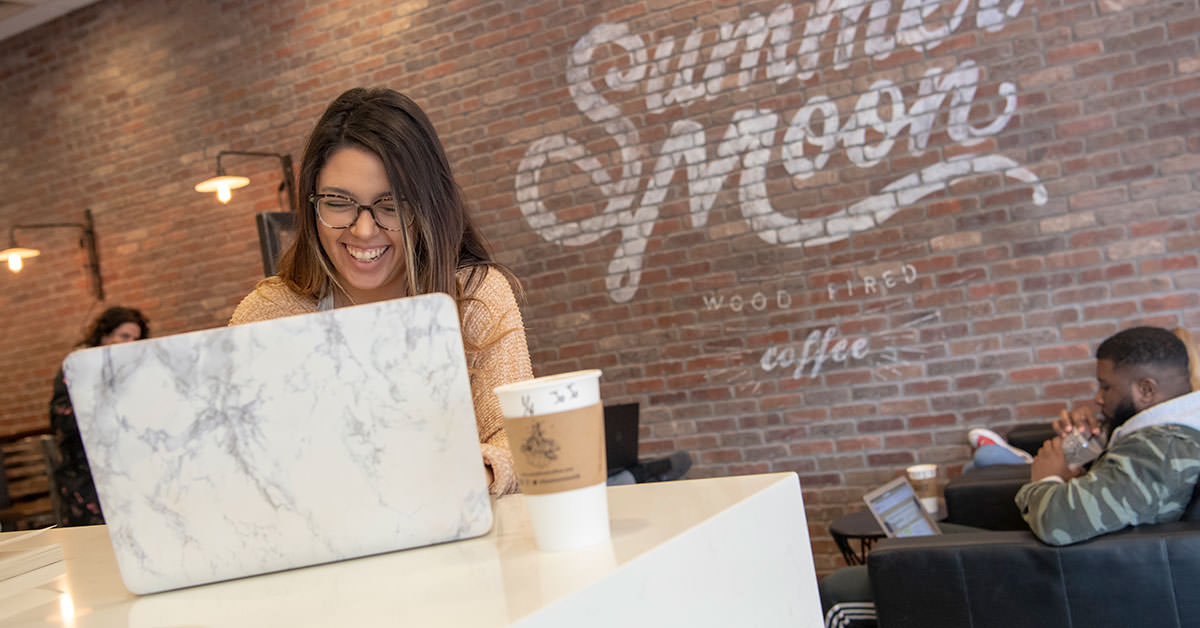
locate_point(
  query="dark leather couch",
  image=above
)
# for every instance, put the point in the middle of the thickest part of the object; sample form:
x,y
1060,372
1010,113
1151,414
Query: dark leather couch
x,y
1144,576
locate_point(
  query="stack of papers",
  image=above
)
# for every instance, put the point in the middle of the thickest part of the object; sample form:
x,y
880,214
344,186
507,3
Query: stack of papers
x,y
23,572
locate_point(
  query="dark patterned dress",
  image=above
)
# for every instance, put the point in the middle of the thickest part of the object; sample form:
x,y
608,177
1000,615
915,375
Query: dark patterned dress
x,y
81,506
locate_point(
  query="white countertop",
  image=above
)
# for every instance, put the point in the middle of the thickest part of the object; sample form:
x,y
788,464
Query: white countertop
x,y
717,552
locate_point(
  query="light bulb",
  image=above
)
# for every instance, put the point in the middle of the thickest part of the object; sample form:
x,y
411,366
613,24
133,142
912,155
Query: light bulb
x,y
223,193
14,263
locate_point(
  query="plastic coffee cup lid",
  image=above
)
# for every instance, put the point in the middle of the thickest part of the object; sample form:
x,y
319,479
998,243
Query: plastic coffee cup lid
x,y
922,471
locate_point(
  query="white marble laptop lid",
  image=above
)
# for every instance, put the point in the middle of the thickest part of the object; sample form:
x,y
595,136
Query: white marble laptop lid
x,y
302,440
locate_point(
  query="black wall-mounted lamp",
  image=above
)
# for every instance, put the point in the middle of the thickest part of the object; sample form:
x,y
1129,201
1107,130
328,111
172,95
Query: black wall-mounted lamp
x,y
15,255
272,226
223,184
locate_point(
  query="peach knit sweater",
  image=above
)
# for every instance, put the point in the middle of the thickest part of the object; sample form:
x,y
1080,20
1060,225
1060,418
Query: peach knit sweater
x,y
490,311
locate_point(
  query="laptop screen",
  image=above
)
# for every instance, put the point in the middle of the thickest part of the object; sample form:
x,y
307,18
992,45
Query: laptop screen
x,y
898,511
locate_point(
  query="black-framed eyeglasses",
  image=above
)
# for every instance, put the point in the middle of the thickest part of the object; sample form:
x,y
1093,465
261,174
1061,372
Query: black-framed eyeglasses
x,y
340,212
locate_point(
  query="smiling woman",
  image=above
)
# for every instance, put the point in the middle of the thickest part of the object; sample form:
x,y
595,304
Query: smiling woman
x,y
385,219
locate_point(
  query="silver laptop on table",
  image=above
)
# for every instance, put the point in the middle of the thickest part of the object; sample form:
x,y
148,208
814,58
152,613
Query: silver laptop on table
x,y
243,450
898,511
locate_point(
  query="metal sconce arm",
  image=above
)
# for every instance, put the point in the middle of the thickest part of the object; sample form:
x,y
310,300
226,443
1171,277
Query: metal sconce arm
x,y
88,241
285,162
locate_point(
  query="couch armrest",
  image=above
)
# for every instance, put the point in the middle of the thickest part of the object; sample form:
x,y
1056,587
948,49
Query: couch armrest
x,y
983,497
1137,577
1030,437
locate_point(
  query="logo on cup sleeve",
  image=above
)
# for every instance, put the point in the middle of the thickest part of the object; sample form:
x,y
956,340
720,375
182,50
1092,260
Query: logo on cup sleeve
x,y
539,449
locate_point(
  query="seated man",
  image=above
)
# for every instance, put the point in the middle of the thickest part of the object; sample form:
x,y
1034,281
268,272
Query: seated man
x,y
991,449
1146,474
1148,469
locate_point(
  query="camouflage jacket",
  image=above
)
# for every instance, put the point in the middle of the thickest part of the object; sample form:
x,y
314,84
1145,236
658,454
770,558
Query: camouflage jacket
x,y
1145,475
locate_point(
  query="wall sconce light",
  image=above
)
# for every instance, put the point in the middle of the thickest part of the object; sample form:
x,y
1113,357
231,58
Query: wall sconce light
x,y
223,184
15,255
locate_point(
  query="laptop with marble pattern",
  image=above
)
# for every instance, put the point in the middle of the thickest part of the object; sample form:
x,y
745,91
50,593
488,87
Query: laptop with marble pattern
x,y
309,439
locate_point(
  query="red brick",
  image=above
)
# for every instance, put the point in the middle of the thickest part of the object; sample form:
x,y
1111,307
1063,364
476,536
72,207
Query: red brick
x,y
1095,237
1117,176
1088,332
1151,228
1107,273
1072,259
982,380
1089,163
1066,15
1064,353
1075,51
974,346
1034,374
811,448
890,459
903,407
1175,87
880,425
721,455
1136,39
1070,389
1168,264
855,444
1170,302
931,420
1118,310
983,291
994,325
1046,411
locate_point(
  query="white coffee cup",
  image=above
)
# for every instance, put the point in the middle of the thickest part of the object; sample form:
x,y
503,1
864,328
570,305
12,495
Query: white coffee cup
x,y
924,482
555,428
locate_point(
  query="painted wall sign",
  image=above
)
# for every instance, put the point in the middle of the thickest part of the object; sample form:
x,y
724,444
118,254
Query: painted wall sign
x,y
755,136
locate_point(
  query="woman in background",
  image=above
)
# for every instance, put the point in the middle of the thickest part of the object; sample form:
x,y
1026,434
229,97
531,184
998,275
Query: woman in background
x,y
72,475
382,217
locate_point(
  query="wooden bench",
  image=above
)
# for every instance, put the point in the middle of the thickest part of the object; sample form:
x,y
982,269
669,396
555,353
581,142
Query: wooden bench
x,y
27,501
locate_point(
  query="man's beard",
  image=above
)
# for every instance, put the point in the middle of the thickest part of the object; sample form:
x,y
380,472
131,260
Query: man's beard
x,y
1122,413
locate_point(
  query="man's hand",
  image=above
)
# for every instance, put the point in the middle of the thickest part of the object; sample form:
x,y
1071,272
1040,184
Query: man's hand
x,y
1051,460
1081,418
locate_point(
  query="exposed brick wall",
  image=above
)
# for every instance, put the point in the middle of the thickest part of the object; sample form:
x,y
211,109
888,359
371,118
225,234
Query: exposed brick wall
x,y
797,252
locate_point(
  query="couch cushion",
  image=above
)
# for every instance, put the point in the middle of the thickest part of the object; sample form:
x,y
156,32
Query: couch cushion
x,y
983,497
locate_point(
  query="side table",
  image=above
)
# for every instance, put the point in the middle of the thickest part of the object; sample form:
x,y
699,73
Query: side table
x,y
860,528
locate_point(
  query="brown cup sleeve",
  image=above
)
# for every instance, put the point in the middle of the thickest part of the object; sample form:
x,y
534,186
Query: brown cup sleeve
x,y
560,451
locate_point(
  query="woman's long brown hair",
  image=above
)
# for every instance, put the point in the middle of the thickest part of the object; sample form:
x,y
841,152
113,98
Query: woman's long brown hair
x,y
440,240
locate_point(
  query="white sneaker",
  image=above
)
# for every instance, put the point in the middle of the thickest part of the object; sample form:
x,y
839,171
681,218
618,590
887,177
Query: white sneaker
x,y
980,436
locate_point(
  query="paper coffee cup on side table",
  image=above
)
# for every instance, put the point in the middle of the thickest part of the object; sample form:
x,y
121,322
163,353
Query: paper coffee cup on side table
x,y
555,428
923,478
